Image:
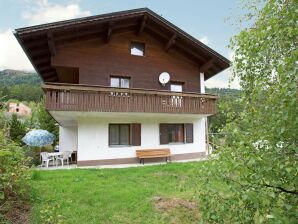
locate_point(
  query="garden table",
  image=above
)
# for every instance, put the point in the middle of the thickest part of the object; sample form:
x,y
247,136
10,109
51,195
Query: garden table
x,y
55,155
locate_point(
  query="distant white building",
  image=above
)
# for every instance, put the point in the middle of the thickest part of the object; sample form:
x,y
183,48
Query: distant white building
x,y
19,108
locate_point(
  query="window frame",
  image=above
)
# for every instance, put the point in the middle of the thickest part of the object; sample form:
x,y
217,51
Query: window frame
x,y
177,83
137,42
119,129
177,126
188,133
119,81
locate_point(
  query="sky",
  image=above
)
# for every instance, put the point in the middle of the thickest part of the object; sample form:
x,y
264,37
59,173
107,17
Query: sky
x,y
203,19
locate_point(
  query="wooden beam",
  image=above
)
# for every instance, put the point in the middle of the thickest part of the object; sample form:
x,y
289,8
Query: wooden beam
x,y
171,41
143,24
51,43
207,65
43,66
109,33
188,50
38,54
45,70
54,78
42,61
50,74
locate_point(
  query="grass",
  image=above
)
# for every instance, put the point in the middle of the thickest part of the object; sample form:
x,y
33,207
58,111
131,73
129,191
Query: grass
x,y
129,195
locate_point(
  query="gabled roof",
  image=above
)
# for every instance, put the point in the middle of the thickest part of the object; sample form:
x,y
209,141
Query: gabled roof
x,y
39,42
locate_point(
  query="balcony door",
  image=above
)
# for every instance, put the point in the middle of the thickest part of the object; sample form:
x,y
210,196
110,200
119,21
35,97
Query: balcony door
x,y
120,82
176,101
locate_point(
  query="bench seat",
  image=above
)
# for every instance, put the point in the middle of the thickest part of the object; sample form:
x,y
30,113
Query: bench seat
x,y
153,153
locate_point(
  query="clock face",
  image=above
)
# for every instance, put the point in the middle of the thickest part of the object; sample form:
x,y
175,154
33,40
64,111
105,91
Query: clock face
x,y
164,78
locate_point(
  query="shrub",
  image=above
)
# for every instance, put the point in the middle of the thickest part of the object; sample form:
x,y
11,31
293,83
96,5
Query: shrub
x,y
17,129
13,173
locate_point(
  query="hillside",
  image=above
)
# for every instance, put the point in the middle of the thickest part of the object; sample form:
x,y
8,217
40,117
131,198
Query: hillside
x,y
15,77
20,85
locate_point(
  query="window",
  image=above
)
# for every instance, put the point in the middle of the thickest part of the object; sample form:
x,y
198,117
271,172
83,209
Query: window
x,y
125,134
119,82
176,87
176,133
119,134
137,48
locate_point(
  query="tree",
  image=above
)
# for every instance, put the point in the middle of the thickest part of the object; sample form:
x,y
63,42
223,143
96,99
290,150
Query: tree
x,y
253,178
46,121
17,129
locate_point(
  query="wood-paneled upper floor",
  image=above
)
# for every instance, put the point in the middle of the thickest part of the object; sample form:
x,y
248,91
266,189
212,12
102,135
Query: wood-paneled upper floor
x,y
91,50
98,61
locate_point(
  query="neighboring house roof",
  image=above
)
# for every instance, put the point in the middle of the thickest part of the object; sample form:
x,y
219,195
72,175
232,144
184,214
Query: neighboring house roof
x,y
39,42
19,108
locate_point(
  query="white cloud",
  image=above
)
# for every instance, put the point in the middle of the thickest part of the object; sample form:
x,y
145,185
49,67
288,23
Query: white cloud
x,y
44,12
221,80
11,54
204,40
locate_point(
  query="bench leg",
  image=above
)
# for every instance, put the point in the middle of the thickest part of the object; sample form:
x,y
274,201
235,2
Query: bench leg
x,y
143,161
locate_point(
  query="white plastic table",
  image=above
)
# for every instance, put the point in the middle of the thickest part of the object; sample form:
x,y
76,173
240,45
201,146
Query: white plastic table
x,y
55,155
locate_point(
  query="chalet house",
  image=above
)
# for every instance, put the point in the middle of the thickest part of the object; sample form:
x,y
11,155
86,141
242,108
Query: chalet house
x,y
19,109
124,81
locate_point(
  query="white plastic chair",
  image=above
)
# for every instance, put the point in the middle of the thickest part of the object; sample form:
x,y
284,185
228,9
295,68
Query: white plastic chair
x,y
65,156
45,159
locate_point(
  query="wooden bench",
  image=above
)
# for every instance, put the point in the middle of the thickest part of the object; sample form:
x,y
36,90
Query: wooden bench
x,y
153,153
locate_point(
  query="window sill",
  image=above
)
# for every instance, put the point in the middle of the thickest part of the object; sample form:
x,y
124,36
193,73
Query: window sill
x,y
178,143
119,146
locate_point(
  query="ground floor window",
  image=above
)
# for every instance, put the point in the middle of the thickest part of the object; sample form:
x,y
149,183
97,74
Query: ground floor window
x,y
176,133
125,134
119,134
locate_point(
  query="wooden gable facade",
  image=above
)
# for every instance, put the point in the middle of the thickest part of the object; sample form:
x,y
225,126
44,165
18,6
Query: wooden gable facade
x,y
94,62
83,54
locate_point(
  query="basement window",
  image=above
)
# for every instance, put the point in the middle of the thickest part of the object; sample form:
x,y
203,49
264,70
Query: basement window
x,y
137,48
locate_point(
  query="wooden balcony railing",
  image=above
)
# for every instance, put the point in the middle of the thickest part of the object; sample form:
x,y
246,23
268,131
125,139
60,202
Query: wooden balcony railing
x,y
76,97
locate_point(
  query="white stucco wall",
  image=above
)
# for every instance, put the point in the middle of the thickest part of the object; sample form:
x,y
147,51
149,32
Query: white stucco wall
x,y
68,138
93,142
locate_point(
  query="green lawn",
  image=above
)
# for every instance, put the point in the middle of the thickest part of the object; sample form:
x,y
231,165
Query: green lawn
x,y
149,194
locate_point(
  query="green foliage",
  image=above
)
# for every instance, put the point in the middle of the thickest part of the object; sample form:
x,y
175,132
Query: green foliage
x,y
51,213
13,173
17,129
254,176
13,85
117,195
10,77
228,106
46,121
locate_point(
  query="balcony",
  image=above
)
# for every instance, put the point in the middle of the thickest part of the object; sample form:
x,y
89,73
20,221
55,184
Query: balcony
x,y
77,97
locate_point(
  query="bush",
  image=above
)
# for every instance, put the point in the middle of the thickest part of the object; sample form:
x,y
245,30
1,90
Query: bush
x,y
14,172
17,129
